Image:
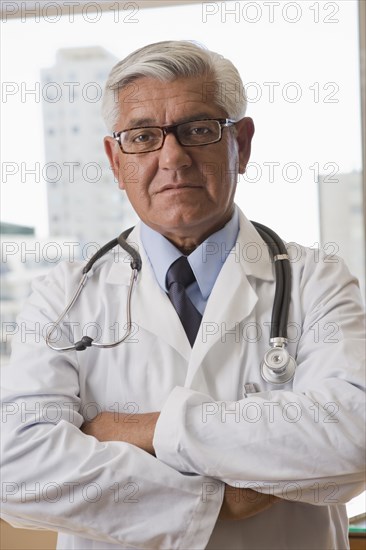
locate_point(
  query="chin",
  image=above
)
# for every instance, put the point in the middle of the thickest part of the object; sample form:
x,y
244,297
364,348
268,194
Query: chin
x,y
196,227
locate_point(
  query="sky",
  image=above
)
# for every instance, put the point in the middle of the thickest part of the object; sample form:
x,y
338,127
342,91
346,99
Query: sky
x,y
298,60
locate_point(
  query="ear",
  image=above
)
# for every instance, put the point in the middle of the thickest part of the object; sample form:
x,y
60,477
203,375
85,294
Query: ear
x,y
245,132
114,154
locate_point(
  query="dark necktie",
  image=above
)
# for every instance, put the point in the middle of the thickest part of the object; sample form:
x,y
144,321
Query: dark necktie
x,y
178,277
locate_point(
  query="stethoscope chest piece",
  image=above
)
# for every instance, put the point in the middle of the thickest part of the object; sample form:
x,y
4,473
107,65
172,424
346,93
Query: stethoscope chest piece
x,y
278,367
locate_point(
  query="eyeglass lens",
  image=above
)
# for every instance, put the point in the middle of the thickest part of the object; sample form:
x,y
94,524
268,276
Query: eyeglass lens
x,y
198,132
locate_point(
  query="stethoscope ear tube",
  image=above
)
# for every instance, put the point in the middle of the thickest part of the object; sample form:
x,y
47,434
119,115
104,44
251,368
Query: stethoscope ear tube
x,y
63,315
136,264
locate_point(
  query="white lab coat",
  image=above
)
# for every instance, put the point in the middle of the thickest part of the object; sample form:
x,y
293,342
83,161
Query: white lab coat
x,y
303,442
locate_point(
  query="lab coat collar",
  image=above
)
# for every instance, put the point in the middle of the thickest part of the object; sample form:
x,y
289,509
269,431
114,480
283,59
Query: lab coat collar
x,y
249,251
252,252
234,296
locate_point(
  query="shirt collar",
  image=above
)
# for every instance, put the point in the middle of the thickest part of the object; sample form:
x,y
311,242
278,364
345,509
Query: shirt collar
x,y
206,260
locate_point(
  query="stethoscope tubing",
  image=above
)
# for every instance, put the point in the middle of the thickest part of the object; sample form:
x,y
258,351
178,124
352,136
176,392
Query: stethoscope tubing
x,y
136,264
271,372
281,303
63,315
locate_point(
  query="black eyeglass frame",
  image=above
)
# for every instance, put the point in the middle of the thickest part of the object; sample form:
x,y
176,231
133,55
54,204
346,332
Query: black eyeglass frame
x,y
173,129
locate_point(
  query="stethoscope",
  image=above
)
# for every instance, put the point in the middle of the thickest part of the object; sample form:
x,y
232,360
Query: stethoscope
x,y
277,367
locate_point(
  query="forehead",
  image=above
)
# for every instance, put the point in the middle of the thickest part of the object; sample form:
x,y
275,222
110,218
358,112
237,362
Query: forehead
x,y
148,101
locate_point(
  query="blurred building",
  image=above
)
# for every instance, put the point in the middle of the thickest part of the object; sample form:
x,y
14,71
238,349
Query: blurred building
x,y
23,258
341,220
15,229
83,198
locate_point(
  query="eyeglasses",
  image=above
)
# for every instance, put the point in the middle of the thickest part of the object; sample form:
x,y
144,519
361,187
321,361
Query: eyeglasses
x,y
194,133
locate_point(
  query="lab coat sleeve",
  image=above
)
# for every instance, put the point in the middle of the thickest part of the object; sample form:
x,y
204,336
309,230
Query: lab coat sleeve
x,y
304,442
56,477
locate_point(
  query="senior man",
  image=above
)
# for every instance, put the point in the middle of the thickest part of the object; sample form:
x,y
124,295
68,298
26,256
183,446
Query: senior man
x,y
188,437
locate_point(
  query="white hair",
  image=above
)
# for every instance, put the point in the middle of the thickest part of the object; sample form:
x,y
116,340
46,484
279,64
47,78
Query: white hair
x,y
168,60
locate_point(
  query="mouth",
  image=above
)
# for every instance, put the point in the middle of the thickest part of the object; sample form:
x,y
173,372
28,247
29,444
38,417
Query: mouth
x,y
178,187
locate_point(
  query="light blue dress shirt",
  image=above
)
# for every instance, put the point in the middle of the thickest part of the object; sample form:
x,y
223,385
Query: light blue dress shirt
x,y
206,261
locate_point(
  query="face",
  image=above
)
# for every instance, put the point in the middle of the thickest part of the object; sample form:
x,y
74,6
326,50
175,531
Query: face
x,y
184,193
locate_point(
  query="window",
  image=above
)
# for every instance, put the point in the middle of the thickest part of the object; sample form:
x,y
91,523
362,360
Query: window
x,y
299,61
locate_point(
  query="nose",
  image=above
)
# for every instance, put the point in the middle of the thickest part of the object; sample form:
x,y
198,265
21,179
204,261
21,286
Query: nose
x,y
173,156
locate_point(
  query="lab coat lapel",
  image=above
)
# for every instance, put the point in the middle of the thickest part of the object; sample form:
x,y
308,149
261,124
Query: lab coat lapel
x,y
151,307
155,313
233,297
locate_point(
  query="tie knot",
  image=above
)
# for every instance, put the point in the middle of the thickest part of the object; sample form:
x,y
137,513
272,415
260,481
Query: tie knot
x,y
180,272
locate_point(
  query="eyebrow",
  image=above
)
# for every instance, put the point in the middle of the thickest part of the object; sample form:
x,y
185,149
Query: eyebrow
x,y
143,122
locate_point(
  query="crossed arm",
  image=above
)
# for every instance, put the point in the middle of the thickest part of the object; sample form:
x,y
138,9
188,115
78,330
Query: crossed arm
x,y
139,431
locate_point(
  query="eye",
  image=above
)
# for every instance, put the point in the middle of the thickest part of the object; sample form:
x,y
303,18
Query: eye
x,y
199,130
143,137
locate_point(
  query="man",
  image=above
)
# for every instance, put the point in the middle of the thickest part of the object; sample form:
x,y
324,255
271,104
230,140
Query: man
x,y
163,441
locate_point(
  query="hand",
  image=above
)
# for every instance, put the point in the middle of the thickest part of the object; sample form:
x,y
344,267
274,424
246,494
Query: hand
x,y
137,429
244,503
